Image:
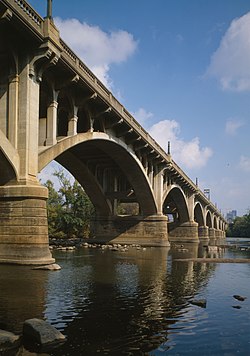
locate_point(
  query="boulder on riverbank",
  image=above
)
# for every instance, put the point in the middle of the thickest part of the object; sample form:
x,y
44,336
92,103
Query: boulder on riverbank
x,y
8,341
40,332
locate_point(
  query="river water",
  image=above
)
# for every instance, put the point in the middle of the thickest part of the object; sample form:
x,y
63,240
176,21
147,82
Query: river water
x,y
134,303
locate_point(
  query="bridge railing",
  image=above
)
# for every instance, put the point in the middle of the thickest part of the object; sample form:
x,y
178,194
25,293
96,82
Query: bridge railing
x,y
36,21
199,192
27,12
108,96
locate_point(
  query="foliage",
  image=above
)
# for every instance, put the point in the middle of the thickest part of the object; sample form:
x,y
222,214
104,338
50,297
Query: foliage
x,y
240,227
69,208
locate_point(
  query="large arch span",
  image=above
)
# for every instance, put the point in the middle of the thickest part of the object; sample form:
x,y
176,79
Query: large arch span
x,y
99,163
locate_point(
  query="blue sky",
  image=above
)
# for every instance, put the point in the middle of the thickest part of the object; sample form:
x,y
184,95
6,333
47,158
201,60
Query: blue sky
x,y
182,68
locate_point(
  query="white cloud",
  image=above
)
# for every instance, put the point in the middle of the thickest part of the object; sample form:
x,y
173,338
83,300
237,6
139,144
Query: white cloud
x,y
230,63
245,163
232,126
186,153
142,116
98,49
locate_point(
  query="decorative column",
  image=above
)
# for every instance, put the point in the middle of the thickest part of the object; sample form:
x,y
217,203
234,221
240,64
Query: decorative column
x,y
51,123
72,126
13,109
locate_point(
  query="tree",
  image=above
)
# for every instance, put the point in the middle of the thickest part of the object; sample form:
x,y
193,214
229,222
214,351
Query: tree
x,y
69,208
240,227
54,209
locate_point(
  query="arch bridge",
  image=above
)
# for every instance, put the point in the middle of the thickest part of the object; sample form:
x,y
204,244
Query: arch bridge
x,y
52,107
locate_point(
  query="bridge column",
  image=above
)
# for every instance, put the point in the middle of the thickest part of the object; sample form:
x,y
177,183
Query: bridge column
x,y
203,233
72,126
51,124
146,231
185,232
13,109
23,225
23,212
212,233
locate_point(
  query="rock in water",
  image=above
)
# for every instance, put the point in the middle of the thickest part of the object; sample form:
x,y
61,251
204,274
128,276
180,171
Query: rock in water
x,y
199,302
8,340
41,332
239,297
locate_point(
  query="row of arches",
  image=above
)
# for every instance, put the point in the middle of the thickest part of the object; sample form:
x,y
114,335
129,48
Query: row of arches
x,y
111,175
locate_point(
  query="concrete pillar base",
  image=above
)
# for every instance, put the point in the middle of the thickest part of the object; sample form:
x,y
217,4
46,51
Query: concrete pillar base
x,y
186,232
23,225
203,233
212,233
145,231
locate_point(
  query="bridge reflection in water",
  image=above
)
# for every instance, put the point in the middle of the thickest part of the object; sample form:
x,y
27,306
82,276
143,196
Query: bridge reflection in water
x,y
106,300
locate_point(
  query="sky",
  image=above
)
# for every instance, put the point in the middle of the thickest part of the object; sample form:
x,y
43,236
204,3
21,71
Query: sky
x,y
182,68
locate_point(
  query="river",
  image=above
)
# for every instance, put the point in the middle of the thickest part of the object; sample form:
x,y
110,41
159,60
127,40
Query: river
x,y
136,302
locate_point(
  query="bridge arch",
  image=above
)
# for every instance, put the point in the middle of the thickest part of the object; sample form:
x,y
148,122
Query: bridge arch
x,y
198,215
209,220
215,225
87,155
175,204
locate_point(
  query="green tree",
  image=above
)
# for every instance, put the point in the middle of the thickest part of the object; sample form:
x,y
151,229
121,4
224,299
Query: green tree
x,y
54,209
240,227
69,208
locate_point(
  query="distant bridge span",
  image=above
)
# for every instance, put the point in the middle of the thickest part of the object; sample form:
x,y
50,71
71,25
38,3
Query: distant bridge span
x,y
52,107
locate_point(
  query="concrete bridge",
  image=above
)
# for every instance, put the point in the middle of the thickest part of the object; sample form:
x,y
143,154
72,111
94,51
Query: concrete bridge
x,y
52,107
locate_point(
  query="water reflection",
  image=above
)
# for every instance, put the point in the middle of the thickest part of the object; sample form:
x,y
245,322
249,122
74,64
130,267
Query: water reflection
x,y
109,302
22,295
133,300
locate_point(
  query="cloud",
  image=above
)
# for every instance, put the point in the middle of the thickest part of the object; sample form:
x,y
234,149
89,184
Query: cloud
x,y
245,163
186,153
230,63
232,126
142,116
96,48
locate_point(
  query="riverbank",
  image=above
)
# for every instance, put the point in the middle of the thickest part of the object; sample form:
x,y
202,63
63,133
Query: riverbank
x,y
214,260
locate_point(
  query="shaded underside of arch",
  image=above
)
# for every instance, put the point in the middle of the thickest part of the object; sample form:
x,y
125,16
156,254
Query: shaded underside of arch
x,y
175,204
9,160
198,215
82,160
215,223
7,172
209,220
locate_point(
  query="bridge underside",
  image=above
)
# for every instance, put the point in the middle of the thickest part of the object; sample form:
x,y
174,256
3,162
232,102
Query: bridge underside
x,y
112,178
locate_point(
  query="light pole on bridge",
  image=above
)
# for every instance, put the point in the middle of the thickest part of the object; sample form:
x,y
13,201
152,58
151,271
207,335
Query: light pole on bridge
x,y
49,9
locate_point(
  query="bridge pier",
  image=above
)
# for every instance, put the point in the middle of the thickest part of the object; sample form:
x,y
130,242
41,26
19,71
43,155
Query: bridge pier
x,y
211,233
203,233
145,231
185,232
23,225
